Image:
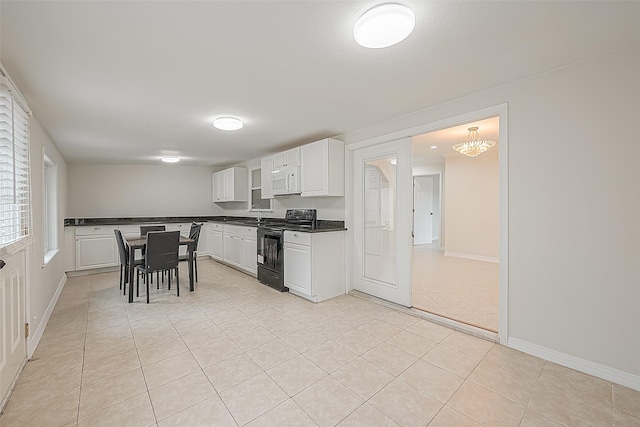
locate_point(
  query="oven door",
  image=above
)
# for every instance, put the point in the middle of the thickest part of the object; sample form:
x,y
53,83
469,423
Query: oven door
x,y
270,253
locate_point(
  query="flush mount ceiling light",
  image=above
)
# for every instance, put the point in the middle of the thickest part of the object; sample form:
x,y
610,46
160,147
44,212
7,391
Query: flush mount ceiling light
x,y
473,145
228,123
393,161
384,25
434,146
170,159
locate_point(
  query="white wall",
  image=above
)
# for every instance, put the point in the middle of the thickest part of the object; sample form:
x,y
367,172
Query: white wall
x,y
98,191
44,279
472,205
436,170
329,208
140,190
573,166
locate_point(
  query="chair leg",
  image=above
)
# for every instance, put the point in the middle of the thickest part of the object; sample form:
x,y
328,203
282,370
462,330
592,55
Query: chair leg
x,y
147,284
137,285
126,279
169,282
195,266
121,273
177,283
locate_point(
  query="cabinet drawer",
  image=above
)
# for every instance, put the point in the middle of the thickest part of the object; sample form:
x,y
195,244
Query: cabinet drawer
x,y
129,230
183,228
233,229
297,237
249,232
218,226
95,230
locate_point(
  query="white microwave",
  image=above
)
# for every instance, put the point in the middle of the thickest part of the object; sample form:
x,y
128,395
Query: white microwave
x,y
285,180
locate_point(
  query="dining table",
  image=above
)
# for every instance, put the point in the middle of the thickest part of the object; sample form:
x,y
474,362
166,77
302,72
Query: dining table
x,y
139,242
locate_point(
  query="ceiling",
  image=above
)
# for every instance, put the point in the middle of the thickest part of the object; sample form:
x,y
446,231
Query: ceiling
x,y
444,139
128,82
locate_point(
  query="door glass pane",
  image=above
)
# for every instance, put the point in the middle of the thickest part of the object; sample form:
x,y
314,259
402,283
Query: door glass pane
x,y
379,250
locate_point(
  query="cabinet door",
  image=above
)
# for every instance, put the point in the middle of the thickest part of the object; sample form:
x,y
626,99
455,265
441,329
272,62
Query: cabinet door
x,y
229,184
297,268
315,169
219,187
233,250
216,245
266,165
96,252
287,158
249,254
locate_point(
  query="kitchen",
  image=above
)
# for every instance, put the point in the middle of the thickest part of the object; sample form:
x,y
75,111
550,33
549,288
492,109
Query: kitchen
x,y
349,96
317,172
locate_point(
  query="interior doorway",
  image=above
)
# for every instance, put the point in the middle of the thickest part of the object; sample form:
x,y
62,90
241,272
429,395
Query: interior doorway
x,y
426,210
456,232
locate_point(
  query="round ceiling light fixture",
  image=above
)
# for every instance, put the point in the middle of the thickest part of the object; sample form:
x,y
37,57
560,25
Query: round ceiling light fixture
x,y
384,25
228,123
170,159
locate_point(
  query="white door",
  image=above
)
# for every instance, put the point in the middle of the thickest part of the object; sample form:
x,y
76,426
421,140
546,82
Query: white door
x,y
382,208
13,349
422,210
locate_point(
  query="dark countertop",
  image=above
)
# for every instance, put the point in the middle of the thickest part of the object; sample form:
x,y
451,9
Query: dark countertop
x,y
323,225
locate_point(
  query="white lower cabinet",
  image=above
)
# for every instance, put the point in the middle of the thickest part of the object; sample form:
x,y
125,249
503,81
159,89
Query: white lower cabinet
x,y
215,243
96,247
240,247
232,249
314,264
250,254
297,268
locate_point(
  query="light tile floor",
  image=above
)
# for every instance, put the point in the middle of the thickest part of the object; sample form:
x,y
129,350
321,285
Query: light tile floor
x,y
235,352
462,289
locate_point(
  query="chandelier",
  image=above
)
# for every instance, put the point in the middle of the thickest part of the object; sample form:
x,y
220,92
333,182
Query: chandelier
x,y
473,145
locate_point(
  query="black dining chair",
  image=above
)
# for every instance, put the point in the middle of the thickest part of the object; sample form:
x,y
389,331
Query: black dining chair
x,y
144,229
161,254
194,234
123,251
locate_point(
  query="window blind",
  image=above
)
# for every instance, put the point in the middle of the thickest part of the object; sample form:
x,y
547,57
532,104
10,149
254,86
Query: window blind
x,y
15,193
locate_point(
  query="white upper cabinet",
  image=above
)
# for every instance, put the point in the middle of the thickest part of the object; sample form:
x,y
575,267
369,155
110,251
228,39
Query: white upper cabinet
x,y
266,166
287,158
322,168
230,185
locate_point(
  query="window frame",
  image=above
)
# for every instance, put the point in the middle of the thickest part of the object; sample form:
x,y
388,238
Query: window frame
x,y
49,208
16,221
253,187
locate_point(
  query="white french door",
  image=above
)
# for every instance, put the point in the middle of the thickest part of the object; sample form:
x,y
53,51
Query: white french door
x,y
382,220
13,349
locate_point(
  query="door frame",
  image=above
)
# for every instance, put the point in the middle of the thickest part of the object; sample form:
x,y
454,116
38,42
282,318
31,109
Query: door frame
x,y
502,112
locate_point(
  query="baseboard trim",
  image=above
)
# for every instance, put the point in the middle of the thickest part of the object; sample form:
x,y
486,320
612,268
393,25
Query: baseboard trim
x,y
604,372
470,256
88,272
34,339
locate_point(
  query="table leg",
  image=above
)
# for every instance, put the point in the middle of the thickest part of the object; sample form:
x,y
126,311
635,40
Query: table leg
x,y
132,257
191,286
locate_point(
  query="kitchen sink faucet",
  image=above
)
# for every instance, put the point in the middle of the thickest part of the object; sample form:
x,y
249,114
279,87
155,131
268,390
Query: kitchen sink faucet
x,y
257,207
